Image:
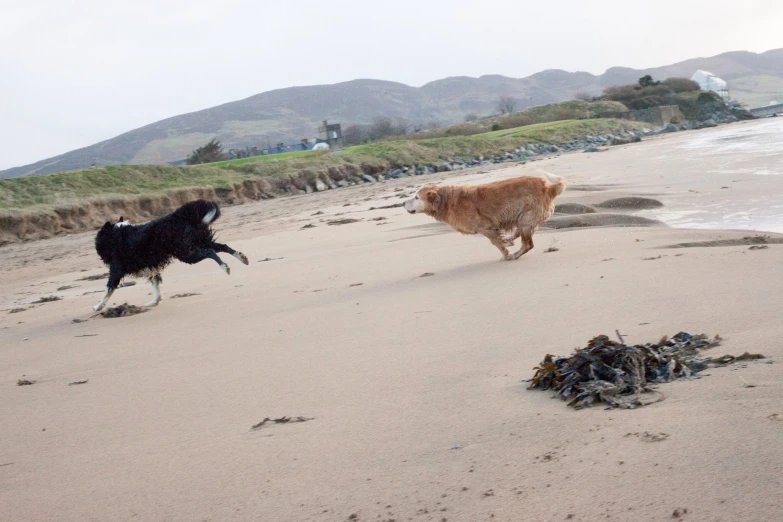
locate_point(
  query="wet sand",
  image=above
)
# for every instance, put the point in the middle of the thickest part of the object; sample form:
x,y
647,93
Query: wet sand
x,y
414,385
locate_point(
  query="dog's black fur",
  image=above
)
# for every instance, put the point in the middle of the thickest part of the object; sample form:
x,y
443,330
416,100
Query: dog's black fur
x,y
145,250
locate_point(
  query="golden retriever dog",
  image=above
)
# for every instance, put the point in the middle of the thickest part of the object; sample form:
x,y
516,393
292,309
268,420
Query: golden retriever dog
x,y
502,211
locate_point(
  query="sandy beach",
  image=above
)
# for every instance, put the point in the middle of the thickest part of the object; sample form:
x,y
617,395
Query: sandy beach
x,y
407,345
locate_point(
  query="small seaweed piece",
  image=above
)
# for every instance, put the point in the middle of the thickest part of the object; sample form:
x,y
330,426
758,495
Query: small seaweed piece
x,y
124,310
728,358
47,299
343,221
280,420
396,205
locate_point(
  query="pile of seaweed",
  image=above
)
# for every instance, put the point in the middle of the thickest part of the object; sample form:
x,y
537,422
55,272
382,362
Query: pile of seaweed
x,y
615,374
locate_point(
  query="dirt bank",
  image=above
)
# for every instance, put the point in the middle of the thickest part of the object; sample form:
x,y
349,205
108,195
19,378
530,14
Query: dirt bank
x,y
93,214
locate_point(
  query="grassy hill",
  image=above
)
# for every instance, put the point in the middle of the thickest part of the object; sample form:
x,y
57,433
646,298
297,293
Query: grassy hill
x,y
291,114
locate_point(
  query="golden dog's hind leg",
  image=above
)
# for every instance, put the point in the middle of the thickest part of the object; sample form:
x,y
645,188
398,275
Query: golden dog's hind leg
x,y
495,238
527,244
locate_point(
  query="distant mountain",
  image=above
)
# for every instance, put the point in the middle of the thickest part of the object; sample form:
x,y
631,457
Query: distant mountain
x,y
291,114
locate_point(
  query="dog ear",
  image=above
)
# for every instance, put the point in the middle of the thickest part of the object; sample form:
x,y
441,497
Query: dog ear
x,y
107,224
432,196
121,220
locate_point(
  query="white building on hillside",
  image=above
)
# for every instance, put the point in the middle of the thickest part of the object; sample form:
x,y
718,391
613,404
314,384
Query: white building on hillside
x,y
709,82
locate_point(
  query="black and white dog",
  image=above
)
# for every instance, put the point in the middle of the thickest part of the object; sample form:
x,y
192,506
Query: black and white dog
x,y
145,250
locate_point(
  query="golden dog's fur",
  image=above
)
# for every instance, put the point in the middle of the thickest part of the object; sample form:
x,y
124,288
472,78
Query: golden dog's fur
x,y
502,211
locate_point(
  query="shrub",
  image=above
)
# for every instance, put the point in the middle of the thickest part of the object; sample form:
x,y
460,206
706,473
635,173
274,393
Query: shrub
x,y
647,81
629,94
506,105
383,127
681,84
566,113
708,97
621,92
354,134
209,153
518,119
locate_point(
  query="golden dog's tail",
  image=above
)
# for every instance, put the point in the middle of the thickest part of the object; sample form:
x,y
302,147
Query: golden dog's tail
x,y
555,184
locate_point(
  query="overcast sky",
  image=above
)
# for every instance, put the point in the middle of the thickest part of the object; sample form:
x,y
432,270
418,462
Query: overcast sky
x,y
73,73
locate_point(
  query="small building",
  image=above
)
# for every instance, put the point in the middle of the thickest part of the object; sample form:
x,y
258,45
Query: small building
x,y
709,82
332,134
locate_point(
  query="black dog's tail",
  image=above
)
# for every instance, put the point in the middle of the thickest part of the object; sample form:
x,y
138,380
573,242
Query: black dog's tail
x,y
198,212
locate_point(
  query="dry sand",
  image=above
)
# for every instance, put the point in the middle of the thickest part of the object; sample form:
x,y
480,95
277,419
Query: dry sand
x,y
414,384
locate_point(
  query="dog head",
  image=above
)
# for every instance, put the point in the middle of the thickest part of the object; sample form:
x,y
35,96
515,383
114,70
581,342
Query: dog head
x,y
428,199
105,241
